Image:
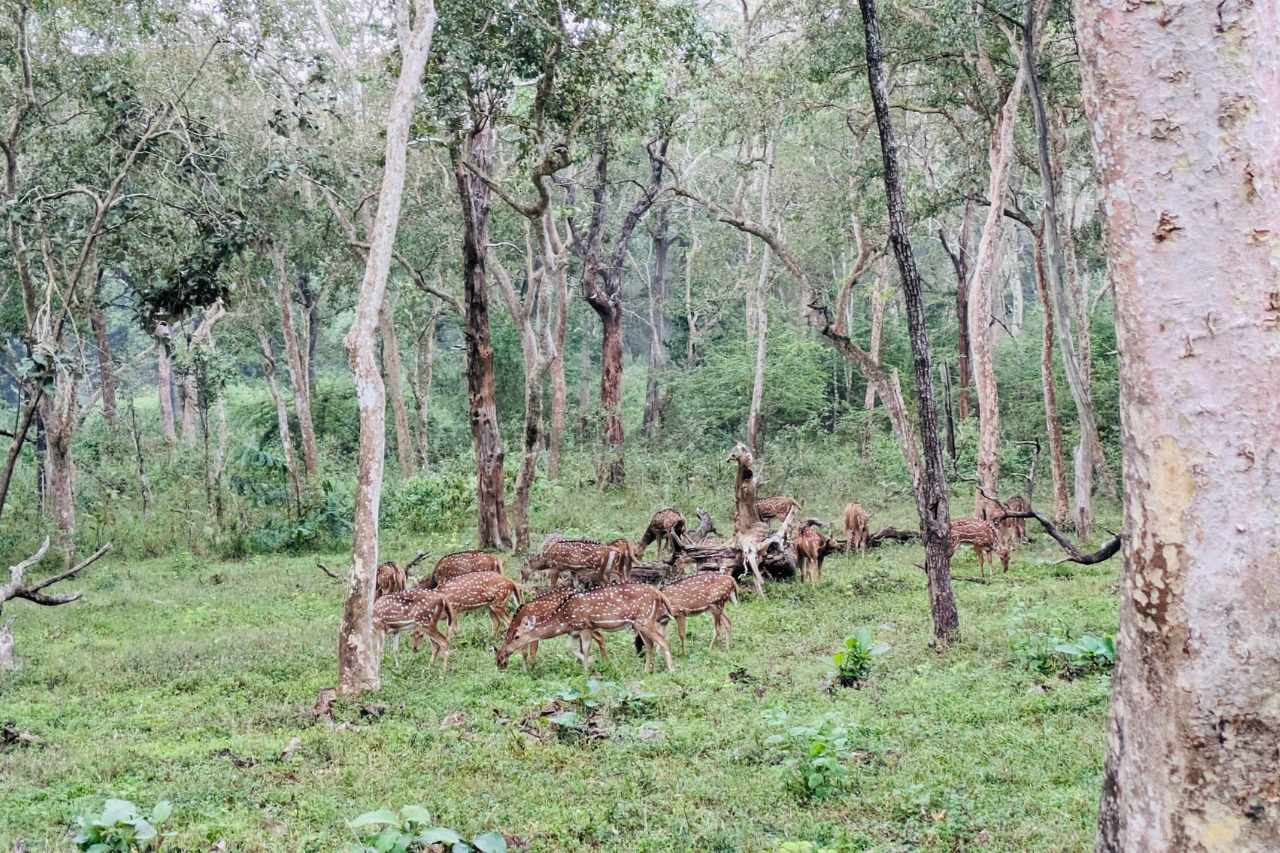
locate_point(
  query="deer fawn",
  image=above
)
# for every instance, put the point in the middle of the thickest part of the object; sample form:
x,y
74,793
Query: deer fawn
x,y
666,527
481,589
703,592
417,609
391,578
634,605
856,522
456,565
1016,528
983,536
540,608
812,547
775,507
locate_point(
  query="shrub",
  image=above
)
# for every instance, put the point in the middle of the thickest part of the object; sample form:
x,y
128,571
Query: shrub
x,y
818,770
121,827
853,662
1090,653
410,829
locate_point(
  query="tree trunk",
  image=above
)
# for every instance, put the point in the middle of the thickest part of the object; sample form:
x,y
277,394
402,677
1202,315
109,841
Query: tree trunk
x,y
560,280
1052,425
294,359
981,285
1189,161
584,392
653,398
359,651
761,312
282,417
423,369
394,371
189,395
612,470
164,384
106,372
931,490
311,308
869,399
494,531
960,263
29,413
59,416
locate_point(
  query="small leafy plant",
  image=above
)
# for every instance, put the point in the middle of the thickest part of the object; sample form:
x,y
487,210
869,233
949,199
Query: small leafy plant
x,y
410,829
818,770
120,826
1090,653
853,662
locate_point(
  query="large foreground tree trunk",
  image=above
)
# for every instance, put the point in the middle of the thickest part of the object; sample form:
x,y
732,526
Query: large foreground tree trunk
x,y
931,489
494,531
359,652
1184,104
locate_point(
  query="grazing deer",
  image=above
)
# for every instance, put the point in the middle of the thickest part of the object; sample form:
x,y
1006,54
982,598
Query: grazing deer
x,y
1016,528
812,546
456,565
634,605
775,507
589,562
391,579
540,608
482,589
856,528
702,592
983,536
666,527
418,609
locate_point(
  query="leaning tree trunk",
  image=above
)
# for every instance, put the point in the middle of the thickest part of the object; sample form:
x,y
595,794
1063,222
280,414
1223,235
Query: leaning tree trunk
x,y
931,491
494,531
394,371
869,399
1050,394
1184,104
58,413
164,384
359,648
981,285
761,312
297,367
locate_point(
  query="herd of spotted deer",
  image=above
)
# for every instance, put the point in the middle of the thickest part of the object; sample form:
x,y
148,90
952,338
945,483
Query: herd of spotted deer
x,y
602,595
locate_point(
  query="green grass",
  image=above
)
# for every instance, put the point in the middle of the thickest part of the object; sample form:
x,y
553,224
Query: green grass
x,y
171,672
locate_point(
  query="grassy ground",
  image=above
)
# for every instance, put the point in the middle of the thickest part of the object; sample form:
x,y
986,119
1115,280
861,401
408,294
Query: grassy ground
x,y
182,679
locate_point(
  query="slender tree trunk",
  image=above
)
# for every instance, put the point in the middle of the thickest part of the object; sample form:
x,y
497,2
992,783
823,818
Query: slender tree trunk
x,y
189,398
106,372
294,359
282,417
612,470
394,371
584,392
931,491
359,651
961,261
29,414
164,384
560,280
1189,161
311,331
144,487
494,531
59,416
869,399
1052,425
761,330
529,459
653,398
981,285
422,386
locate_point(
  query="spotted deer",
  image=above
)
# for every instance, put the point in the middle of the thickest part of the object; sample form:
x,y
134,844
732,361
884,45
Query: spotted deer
x,y
609,608
776,507
983,536
419,609
589,562
456,565
703,592
541,607
391,579
812,547
481,590
856,528
666,527
1015,529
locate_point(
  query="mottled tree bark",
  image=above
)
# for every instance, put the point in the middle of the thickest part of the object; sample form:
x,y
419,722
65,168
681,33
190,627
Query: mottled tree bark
x,y
651,423
359,651
931,490
494,531
106,370
58,413
960,263
394,370
282,416
1053,426
559,392
869,399
761,312
422,377
297,367
164,384
1184,103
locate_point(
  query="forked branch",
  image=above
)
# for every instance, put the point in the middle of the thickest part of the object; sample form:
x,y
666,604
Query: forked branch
x,y
1106,552
32,592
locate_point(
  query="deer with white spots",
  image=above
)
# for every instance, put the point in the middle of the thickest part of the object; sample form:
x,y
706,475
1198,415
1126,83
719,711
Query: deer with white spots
x,y
704,592
776,507
589,562
610,608
812,547
481,590
419,609
985,539
391,579
666,527
540,608
456,565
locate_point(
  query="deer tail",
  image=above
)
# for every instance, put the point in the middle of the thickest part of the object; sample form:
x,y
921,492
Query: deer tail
x,y
662,608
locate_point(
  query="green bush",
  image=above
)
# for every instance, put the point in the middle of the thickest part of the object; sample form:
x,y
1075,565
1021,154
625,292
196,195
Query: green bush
x,y
853,662
815,767
121,827
410,829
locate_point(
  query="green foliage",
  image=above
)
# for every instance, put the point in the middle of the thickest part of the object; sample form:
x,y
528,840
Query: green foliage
x,y
1054,653
432,502
802,847
121,828
815,765
853,662
1089,653
411,829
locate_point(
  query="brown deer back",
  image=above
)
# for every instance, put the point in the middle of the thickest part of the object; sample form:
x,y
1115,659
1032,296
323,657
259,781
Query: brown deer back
x,y
478,589
775,507
698,592
540,608
856,519
811,542
391,579
461,563
973,531
399,609
612,606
